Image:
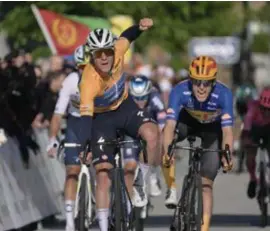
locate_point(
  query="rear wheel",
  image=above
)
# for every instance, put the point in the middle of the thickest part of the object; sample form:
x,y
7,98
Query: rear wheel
x,y
139,222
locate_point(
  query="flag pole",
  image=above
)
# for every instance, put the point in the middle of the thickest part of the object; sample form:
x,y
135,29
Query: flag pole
x,y
43,28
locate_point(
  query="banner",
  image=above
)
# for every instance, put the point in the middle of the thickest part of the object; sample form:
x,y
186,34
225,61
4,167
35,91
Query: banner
x,y
63,35
29,195
225,50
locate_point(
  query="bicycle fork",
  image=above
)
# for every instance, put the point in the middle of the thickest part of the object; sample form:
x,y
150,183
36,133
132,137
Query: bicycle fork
x,y
84,171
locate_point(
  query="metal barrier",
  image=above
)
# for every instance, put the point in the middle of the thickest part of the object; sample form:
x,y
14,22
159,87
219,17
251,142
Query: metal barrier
x,y
28,195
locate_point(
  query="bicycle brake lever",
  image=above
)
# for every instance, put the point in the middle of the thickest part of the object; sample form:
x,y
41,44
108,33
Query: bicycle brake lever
x,y
227,155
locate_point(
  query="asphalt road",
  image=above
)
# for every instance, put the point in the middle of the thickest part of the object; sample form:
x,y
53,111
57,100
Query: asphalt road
x,y
232,209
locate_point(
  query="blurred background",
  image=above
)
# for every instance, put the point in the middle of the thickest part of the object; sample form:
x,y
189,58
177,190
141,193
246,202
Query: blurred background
x,y
37,44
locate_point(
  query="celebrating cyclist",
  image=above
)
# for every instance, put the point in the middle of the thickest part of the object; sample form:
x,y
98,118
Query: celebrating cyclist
x,y
148,99
202,106
106,106
256,126
69,99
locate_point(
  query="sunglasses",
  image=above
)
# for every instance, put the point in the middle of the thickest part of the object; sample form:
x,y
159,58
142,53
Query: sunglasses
x,y
107,52
205,83
141,98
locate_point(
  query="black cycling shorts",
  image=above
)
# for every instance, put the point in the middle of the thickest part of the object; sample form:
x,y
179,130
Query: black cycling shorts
x,y
127,117
261,132
211,136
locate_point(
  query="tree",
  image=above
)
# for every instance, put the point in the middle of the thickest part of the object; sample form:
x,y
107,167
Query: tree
x,y
175,22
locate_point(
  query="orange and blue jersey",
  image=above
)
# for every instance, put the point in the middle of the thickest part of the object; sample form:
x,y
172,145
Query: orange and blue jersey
x,y
99,94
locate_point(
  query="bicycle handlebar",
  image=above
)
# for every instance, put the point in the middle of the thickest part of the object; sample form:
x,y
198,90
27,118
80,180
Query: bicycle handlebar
x,y
87,147
226,152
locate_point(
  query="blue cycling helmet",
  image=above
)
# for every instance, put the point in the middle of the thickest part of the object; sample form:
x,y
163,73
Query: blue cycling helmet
x,y
140,87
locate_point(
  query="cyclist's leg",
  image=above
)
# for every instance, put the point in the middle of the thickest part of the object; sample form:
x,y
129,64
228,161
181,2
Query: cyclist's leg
x,y
139,123
210,164
72,170
131,159
103,159
251,161
154,178
184,128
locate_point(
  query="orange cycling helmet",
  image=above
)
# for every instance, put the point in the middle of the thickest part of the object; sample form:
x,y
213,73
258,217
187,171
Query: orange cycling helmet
x,y
203,68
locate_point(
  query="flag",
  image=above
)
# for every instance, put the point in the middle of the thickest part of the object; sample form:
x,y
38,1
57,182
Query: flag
x,y
62,34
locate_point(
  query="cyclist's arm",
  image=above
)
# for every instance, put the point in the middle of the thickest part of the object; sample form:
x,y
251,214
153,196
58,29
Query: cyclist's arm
x,y
174,108
62,103
249,116
89,88
227,120
126,38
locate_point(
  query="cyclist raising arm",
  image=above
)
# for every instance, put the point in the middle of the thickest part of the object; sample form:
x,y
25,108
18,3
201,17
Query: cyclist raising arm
x,y
106,107
203,107
69,98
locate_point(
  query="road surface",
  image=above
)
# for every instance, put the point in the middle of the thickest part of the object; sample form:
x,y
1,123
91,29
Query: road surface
x,y
232,209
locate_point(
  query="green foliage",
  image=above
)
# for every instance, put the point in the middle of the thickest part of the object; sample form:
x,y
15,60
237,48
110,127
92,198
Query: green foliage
x,y
175,22
261,43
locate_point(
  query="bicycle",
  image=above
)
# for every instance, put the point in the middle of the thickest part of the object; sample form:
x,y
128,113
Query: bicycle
x,y
84,206
187,216
120,220
263,196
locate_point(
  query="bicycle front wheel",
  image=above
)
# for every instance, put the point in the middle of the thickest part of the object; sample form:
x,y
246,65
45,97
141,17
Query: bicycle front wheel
x,y
195,205
81,224
120,216
262,196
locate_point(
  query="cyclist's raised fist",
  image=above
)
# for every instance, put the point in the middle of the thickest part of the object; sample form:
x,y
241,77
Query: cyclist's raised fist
x,y
146,23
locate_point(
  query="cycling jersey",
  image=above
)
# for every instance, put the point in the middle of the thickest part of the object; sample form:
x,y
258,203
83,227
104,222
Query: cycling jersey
x,y
69,96
254,116
218,106
99,94
156,108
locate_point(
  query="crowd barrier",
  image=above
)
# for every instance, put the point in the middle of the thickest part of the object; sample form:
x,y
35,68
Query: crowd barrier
x,y
29,195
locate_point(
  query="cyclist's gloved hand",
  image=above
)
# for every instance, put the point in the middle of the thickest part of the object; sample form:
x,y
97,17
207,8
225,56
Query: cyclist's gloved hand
x,y
227,161
166,161
89,153
52,147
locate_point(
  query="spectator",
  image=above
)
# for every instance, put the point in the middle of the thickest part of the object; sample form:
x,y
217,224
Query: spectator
x,y
47,94
56,63
38,72
164,76
140,68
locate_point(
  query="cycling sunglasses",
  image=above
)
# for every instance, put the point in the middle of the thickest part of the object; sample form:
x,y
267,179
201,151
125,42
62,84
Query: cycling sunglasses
x,y
141,98
107,51
205,83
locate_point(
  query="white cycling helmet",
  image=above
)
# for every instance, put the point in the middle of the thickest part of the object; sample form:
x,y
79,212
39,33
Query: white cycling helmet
x,y
140,87
99,39
81,55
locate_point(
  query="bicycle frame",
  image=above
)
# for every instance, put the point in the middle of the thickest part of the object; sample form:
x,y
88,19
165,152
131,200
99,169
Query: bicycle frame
x,y
84,171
